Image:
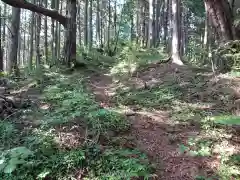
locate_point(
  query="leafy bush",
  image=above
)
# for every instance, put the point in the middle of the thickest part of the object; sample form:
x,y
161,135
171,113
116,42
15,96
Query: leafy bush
x,y
119,164
7,132
9,159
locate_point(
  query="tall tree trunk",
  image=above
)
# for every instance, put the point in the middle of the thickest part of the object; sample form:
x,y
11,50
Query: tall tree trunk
x,y
138,25
142,22
4,44
86,24
109,24
98,24
1,49
24,38
30,58
221,17
59,32
79,25
150,15
176,58
170,25
38,31
19,44
56,38
102,7
154,16
53,37
145,25
206,35
13,66
131,22
70,34
157,25
46,34
165,25
90,25
115,18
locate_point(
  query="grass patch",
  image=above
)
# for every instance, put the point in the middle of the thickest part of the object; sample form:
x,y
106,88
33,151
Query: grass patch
x,y
156,97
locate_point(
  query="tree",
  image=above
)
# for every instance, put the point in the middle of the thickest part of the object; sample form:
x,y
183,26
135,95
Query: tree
x,y
53,37
1,49
221,17
86,24
98,24
150,28
176,58
12,63
46,34
68,21
90,34
38,31
31,24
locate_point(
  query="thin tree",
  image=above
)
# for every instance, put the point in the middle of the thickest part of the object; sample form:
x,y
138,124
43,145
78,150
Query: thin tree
x,y
31,24
86,24
90,31
1,49
150,28
12,63
98,24
176,58
38,31
46,33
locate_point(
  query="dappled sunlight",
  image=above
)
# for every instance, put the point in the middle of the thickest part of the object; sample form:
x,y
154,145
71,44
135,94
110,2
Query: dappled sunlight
x,y
171,109
70,136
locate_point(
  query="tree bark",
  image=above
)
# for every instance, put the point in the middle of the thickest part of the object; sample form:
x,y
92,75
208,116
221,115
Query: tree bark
x,y
38,31
221,17
30,58
109,25
79,25
86,24
176,58
150,27
56,38
70,34
1,52
13,67
90,34
54,58
46,35
165,24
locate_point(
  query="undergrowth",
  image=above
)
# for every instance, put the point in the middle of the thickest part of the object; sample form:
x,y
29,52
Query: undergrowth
x,y
34,153
217,126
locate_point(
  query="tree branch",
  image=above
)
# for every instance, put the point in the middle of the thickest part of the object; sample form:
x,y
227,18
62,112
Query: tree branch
x,y
34,8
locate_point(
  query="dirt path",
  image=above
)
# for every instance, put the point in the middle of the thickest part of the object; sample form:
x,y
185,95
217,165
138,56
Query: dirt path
x,y
158,138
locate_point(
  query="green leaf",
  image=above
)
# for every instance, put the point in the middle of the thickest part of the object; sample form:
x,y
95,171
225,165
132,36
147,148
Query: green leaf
x,y
10,168
2,164
20,151
183,148
43,175
102,112
227,120
16,161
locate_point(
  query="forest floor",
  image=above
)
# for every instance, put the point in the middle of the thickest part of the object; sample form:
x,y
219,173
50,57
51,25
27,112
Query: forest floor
x,y
162,121
173,111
